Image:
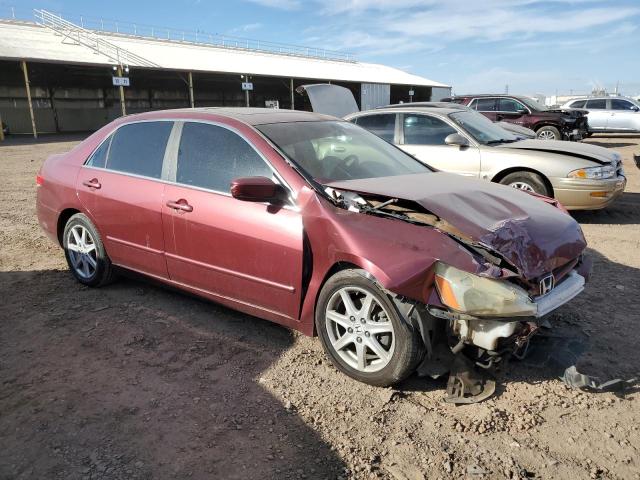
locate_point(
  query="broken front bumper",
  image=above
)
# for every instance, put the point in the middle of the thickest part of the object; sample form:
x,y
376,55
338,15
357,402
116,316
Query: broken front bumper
x,y
486,333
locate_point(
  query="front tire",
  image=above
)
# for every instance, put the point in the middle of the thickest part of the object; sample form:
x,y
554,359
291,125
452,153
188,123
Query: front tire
x,y
362,331
548,133
83,248
527,181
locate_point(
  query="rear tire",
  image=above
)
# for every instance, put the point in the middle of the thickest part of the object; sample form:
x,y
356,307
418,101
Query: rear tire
x,y
368,340
527,181
83,248
548,133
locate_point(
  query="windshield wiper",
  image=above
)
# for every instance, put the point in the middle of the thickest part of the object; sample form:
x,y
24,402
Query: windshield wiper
x,y
383,204
502,140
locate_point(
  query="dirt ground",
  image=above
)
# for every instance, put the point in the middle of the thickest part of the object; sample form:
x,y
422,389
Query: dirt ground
x,y
136,381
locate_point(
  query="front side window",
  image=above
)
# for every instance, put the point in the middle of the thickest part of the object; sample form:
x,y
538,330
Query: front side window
x,y
138,148
617,104
509,105
334,150
578,104
383,125
597,104
484,104
425,130
211,157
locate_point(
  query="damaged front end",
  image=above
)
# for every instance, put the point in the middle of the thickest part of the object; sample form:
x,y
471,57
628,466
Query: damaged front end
x,y
471,322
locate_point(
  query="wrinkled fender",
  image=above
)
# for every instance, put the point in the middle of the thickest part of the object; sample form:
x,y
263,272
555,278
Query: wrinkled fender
x,y
400,255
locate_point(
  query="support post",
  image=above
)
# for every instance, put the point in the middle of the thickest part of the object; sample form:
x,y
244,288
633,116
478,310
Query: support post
x,y
122,103
1,130
246,97
28,88
191,99
293,107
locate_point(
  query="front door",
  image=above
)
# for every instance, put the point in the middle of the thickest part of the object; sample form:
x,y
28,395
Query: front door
x,y
423,137
622,116
248,253
120,187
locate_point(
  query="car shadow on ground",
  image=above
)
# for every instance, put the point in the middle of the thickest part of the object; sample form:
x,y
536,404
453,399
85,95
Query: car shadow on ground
x,y
597,332
612,144
136,381
12,140
624,211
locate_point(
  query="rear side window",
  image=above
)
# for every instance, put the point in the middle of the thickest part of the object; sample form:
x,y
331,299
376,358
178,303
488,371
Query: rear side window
x,y
139,148
596,104
617,104
578,104
425,130
99,156
383,125
484,104
211,157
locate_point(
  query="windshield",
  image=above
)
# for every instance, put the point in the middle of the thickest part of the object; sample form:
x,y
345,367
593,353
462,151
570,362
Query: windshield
x,y
532,104
481,128
335,150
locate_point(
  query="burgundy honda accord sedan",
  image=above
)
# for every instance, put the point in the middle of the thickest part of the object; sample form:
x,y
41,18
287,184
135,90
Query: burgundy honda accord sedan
x,y
319,225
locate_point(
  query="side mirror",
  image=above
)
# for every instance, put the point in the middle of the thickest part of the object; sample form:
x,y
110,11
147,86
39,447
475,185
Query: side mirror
x,y
456,139
635,109
522,111
257,189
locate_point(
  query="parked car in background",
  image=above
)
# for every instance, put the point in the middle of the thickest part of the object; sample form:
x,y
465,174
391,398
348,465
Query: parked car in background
x,y
317,224
609,114
549,124
580,176
518,130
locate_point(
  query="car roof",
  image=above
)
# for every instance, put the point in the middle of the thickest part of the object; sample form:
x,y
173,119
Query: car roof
x,y
248,115
417,108
491,95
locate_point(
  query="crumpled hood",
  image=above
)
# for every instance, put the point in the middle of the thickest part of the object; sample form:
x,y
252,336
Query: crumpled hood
x,y
532,235
582,150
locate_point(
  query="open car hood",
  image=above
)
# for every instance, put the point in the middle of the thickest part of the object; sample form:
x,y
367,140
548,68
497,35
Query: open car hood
x,y
574,149
330,99
532,235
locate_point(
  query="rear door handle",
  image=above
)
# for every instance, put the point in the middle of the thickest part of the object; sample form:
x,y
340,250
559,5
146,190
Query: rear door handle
x,y
180,205
93,183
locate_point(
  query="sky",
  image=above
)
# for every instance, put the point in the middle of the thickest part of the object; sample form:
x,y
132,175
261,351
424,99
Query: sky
x,y
477,46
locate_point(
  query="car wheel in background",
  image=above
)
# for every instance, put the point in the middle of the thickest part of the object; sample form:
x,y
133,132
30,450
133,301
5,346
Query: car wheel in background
x,y
548,133
362,331
527,181
88,261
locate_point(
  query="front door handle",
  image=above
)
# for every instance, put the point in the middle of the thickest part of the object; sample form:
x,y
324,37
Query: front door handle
x,y
93,183
180,205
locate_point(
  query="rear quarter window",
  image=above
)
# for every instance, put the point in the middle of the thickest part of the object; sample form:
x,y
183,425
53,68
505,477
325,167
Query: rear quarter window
x,y
99,156
578,104
138,148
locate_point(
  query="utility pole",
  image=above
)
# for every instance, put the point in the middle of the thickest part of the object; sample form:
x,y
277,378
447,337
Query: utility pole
x,y
28,88
122,103
293,107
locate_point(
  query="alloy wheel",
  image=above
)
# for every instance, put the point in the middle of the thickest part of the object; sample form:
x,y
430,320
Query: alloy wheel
x,y
547,135
522,186
360,329
82,251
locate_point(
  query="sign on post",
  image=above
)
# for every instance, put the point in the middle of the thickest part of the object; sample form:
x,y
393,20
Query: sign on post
x,y
120,81
411,93
247,86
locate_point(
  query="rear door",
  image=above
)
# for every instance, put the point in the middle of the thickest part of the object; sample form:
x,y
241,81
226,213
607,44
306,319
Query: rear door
x,y
122,189
244,252
423,136
486,106
622,116
598,114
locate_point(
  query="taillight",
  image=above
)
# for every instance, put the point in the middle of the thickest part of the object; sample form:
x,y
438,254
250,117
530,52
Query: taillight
x,y
39,180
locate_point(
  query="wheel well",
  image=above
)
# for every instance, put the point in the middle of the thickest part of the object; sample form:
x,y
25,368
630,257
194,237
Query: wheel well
x,y
540,125
64,217
335,268
498,178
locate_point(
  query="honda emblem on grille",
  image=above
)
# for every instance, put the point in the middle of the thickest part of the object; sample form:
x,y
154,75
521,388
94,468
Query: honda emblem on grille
x,y
547,284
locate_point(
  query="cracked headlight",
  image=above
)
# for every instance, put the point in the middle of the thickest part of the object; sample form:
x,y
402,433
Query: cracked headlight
x,y
594,173
467,293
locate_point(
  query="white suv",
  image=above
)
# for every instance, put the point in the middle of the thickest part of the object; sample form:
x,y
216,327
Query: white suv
x,y
609,114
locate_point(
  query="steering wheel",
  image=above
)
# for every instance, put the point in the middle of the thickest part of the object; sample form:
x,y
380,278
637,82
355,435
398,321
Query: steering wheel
x,y
343,168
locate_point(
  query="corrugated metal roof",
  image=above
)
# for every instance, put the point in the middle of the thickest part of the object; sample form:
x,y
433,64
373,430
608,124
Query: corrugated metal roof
x,y
29,41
